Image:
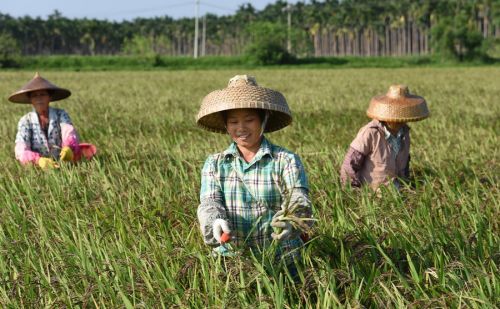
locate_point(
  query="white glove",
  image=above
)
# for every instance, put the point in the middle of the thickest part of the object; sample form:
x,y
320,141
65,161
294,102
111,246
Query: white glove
x,y
286,231
219,226
285,226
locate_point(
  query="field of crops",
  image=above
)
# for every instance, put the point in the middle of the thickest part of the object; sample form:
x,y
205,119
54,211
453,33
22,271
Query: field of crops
x,y
121,230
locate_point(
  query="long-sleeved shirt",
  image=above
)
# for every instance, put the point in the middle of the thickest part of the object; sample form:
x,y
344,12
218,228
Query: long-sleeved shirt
x,y
32,142
247,195
377,157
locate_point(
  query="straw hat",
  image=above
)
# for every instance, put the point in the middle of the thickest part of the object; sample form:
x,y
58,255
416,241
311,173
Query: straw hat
x,y
398,105
243,92
39,83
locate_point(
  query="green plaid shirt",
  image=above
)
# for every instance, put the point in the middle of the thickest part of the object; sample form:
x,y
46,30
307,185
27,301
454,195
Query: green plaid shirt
x,y
247,195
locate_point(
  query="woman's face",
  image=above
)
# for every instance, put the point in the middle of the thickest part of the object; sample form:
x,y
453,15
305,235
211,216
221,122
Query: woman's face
x,y
244,126
394,126
39,98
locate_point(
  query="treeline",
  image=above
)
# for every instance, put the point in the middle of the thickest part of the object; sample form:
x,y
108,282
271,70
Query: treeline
x,y
455,28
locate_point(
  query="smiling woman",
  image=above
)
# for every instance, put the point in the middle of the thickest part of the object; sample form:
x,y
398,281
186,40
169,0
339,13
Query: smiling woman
x,y
245,128
246,188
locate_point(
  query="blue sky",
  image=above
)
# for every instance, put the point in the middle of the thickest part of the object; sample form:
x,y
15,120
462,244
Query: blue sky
x,y
123,9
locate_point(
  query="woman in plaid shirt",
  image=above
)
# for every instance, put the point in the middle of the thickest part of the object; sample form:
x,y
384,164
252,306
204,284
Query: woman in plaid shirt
x,y
245,188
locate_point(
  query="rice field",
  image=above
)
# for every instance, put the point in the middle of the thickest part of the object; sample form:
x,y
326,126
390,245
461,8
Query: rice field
x,y
121,230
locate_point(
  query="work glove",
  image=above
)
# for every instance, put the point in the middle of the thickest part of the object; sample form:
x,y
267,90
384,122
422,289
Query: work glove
x,y
47,163
219,226
284,227
66,154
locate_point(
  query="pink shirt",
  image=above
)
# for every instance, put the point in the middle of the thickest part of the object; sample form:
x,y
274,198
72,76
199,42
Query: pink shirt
x,y
379,165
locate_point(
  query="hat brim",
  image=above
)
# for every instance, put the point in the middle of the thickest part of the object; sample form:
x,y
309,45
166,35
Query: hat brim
x,y
23,97
214,122
407,109
254,97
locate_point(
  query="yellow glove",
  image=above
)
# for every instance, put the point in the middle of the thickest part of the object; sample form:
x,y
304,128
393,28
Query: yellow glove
x,y
47,163
66,154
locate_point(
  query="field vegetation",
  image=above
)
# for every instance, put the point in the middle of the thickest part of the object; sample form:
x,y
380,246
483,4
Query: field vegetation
x,y
121,230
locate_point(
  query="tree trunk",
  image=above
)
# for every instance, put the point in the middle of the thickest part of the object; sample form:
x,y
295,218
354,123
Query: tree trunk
x,y
396,41
344,44
330,43
401,41
367,42
316,39
360,45
387,45
335,44
393,42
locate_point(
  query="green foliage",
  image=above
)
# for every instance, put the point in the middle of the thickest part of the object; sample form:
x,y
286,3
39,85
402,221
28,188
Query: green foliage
x,y
9,51
317,27
267,44
92,63
88,41
104,63
121,231
267,53
494,51
138,45
455,37
148,48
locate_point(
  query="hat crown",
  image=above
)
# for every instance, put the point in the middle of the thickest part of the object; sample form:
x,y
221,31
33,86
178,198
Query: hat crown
x,y
242,80
398,91
398,105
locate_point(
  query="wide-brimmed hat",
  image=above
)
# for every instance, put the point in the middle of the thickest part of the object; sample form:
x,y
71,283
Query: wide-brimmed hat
x,y
39,83
243,92
398,105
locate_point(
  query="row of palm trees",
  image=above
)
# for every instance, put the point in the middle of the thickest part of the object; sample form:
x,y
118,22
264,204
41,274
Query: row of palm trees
x,y
319,28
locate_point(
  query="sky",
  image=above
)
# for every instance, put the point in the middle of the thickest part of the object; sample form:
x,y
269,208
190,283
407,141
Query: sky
x,y
118,10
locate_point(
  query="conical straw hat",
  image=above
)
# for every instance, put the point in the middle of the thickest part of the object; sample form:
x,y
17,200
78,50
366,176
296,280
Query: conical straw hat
x,y
243,92
39,83
398,105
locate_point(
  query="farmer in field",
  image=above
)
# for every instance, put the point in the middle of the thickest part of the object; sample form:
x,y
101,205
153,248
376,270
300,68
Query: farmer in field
x,y
380,153
253,186
46,135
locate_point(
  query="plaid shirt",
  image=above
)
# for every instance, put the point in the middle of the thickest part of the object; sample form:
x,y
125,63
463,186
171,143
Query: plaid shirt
x,y
247,195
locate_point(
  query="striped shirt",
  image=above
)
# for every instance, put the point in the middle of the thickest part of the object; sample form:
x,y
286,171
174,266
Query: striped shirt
x,y
247,195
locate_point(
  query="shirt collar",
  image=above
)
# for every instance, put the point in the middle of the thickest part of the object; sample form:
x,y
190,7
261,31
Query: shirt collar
x,y
264,149
398,135
51,111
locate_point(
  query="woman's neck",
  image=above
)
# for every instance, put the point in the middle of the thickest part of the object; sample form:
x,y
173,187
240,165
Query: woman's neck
x,y
43,117
42,111
248,153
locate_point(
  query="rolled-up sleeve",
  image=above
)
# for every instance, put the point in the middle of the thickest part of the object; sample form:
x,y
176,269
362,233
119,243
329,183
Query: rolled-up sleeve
x,y
22,149
297,188
69,134
211,201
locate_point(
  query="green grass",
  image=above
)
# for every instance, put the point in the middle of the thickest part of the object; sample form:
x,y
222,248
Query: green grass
x,y
113,63
121,230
